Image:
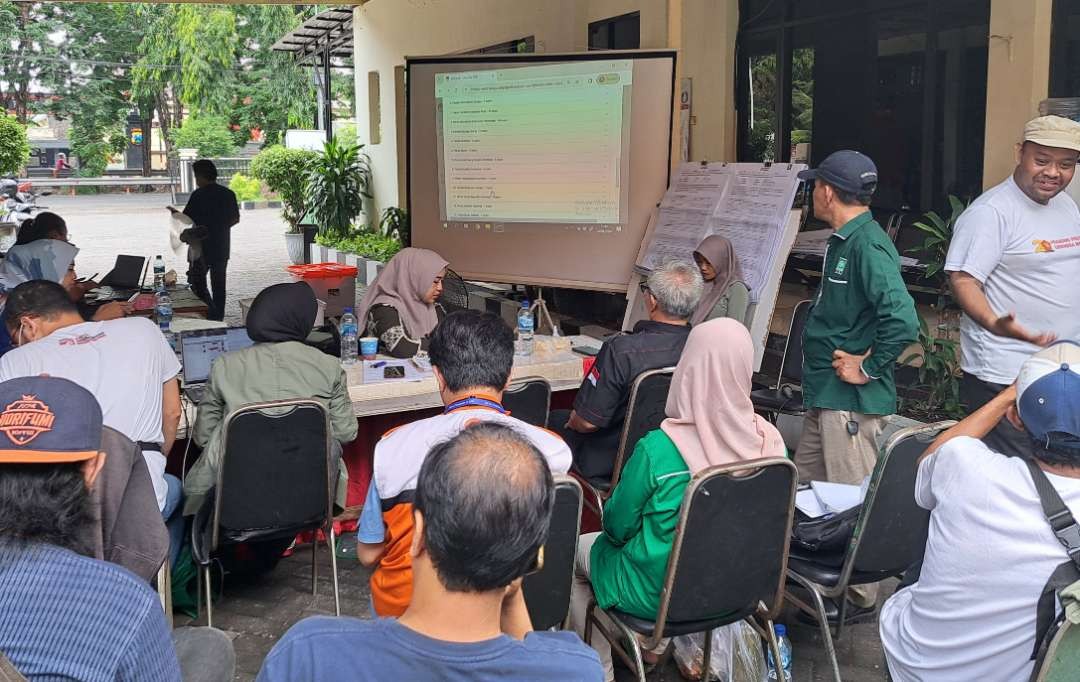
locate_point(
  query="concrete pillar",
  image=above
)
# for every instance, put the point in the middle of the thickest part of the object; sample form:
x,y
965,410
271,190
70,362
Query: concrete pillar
x,y
1018,75
704,32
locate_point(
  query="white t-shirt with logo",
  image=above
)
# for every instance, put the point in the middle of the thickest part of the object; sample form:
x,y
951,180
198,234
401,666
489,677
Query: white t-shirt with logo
x,y
989,553
122,362
1027,256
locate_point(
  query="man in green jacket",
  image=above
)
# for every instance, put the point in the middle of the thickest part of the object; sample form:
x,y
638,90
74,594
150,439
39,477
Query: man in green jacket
x,y
862,319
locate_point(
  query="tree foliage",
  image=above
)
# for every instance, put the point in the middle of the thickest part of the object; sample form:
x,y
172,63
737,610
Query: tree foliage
x,y
14,149
285,171
337,186
209,134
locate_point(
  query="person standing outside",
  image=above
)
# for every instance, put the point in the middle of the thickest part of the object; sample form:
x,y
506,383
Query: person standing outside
x,y
862,320
1013,265
214,207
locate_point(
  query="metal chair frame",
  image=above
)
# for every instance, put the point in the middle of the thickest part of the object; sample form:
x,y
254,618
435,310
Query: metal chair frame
x,y
565,480
523,383
766,612
838,591
784,360
626,448
328,525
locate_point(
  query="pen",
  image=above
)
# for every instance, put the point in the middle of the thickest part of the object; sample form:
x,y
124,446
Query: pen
x,y
377,365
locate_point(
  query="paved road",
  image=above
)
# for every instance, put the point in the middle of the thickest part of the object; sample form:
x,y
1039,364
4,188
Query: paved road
x,y
105,225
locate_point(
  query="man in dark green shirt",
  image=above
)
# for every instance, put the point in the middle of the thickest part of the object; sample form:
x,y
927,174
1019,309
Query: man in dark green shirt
x,y
862,320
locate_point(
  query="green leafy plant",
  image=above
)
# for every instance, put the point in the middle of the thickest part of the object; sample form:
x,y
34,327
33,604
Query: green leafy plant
x,y
245,188
367,244
938,385
939,232
210,135
395,223
285,172
337,186
14,148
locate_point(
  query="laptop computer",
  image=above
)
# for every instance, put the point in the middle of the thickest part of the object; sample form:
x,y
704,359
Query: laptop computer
x,y
127,273
199,349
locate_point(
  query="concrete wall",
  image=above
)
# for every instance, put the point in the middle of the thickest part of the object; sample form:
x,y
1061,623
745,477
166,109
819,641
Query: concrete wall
x,y
385,31
1018,74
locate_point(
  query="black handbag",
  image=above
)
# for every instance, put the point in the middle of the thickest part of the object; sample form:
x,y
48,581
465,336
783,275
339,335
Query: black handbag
x,y
826,533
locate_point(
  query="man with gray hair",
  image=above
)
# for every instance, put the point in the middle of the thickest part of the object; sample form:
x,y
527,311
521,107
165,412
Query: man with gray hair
x,y
592,428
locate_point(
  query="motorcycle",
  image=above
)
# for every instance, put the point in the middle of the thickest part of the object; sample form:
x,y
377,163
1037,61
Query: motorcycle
x,y
18,201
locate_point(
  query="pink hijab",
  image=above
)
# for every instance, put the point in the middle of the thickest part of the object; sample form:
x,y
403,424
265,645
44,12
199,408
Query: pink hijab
x,y
402,284
721,255
710,417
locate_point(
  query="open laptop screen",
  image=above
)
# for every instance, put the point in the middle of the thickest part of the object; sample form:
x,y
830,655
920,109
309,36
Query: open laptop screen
x,y
199,348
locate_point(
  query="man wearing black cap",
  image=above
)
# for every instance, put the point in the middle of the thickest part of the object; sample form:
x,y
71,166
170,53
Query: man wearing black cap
x,y
862,319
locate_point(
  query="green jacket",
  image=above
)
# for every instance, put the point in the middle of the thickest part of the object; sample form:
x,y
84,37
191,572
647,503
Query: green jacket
x,y
629,560
862,304
265,372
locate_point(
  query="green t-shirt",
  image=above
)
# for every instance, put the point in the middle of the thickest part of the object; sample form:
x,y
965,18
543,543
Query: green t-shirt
x,y
629,559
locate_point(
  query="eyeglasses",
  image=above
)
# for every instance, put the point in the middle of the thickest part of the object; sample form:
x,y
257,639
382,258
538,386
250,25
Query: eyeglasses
x,y
644,287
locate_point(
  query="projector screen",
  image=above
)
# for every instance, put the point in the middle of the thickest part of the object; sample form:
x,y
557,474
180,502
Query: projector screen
x,y
539,169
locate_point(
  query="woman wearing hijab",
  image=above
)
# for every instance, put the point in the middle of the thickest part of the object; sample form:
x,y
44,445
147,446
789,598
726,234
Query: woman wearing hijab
x,y
400,307
278,367
710,421
725,293
42,259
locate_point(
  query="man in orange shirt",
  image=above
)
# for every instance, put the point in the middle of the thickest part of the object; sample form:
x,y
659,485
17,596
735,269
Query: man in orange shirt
x,y
472,354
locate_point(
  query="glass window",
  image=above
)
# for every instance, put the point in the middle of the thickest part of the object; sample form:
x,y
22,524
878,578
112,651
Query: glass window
x,y
618,33
758,129
1065,49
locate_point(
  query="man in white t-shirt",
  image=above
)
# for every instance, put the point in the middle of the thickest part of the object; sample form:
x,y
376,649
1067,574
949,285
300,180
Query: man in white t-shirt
x,y
1014,265
990,550
127,364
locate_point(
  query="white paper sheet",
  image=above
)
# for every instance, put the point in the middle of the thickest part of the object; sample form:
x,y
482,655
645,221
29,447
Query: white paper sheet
x,y
837,497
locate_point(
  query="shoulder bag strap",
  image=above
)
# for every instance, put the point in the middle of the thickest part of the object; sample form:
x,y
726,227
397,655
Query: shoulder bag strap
x,y
1067,532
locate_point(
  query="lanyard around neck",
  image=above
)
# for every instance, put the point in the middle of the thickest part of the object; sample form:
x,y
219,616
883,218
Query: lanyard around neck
x,y
473,401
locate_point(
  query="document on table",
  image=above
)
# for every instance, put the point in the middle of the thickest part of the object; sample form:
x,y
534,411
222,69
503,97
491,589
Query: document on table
x,y
375,371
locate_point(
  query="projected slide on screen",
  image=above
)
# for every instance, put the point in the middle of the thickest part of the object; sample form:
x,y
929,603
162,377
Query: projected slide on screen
x,y
535,144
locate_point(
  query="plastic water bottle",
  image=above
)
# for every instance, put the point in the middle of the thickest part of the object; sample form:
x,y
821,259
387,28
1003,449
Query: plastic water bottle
x,y
163,308
348,331
159,273
524,330
785,654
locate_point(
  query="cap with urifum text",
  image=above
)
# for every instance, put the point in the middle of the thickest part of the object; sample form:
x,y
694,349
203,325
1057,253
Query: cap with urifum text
x,y
47,420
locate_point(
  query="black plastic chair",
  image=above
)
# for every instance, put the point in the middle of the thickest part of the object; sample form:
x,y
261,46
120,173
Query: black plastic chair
x,y
455,295
644,412
529,399
727,562
547,592
786,396
889,536
275,480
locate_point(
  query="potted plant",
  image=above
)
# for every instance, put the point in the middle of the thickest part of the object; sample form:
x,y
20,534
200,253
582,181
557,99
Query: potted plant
x,y
337,185
285,171
395,224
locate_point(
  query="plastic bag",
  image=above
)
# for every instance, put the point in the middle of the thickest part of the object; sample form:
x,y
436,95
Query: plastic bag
x,y
737,655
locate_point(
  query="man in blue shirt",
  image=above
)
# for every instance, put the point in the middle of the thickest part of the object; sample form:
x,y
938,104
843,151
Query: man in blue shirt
x,y
64,615
482,507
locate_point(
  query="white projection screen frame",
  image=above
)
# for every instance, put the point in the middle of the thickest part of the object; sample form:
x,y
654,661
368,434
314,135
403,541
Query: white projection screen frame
x,y
532,135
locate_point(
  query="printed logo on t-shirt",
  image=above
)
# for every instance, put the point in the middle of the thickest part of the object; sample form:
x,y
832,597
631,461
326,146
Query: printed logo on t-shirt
x,y
841,265
82,339
25,419
594,375
1050,246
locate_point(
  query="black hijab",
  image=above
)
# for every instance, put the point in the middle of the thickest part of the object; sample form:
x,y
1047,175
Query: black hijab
x,y
283,312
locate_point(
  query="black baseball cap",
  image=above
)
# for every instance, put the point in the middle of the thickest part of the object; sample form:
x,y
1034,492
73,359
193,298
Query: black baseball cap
x,y
47,420
846,170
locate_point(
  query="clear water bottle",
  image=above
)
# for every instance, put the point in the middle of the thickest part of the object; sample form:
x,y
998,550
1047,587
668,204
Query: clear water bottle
x,y
348,331
163,309
785,654
159,273
524,330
